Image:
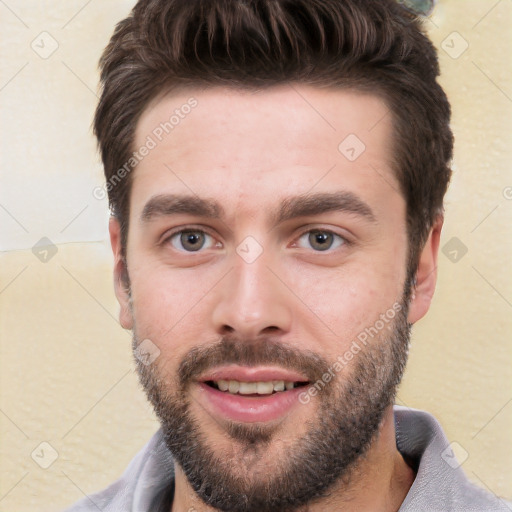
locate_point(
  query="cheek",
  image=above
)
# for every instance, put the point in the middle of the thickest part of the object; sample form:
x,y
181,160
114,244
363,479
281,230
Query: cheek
x,y
167,303
345,302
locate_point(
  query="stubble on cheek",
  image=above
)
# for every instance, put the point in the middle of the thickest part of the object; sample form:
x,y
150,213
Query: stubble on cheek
x,y
249,468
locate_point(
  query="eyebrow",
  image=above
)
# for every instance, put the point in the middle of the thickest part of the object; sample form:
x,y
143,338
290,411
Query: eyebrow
x,y
315,204
290,208
172,204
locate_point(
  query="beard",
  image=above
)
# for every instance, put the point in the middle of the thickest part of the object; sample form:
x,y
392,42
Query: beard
x,y
349,413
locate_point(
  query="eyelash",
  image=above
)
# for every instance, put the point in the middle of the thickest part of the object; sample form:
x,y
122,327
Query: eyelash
x,y
185,230
344,241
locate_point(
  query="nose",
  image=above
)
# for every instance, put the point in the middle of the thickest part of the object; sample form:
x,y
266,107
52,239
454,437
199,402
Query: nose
x,y
253,301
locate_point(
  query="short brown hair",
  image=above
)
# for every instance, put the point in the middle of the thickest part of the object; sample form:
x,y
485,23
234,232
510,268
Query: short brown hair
x,y
373,46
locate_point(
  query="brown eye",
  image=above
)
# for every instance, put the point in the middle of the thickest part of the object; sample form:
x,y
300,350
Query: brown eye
x,y
322,240
189,240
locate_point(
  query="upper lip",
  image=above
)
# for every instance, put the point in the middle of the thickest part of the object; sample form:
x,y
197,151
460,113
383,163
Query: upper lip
x,y
252,374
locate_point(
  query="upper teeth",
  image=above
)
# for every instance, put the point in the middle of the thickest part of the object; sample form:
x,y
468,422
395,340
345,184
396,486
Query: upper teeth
x,y
247,388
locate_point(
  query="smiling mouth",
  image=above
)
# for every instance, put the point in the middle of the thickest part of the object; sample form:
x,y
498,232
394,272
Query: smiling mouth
x,y
259,388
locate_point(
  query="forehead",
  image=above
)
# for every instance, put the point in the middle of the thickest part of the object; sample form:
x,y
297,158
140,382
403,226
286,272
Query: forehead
x,y
245,144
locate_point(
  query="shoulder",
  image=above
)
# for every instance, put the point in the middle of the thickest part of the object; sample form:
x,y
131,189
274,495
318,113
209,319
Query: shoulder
x,y
149,472
440,484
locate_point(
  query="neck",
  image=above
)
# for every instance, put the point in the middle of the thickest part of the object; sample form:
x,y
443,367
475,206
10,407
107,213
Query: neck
x,y
379,483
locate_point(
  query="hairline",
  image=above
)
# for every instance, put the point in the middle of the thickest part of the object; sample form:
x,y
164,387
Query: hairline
x,y
181,85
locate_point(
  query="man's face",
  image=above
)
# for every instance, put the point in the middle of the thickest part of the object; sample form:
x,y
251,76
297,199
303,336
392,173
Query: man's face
x,y
297,261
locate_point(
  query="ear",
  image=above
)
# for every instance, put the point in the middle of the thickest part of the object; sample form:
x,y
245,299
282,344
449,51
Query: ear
x,y
426,274
121,284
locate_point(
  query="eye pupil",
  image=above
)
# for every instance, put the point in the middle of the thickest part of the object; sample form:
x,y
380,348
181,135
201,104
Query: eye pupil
x,y
320,240
192,240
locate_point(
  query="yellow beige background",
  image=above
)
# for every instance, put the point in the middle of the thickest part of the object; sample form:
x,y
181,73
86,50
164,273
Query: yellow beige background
x,y
67,378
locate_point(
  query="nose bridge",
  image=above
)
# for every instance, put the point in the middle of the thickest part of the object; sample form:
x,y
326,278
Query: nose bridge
x,y
252,300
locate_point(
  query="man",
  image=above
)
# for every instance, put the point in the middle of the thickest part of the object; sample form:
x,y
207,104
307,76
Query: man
x,y
276,173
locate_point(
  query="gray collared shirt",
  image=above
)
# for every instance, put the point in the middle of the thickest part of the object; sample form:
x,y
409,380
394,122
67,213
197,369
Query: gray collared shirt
x,y
440,484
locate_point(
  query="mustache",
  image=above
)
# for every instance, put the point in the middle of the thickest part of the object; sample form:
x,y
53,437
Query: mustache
x,y
266,351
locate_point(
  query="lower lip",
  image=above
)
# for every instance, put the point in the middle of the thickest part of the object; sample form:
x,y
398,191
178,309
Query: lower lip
x,y
249,409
